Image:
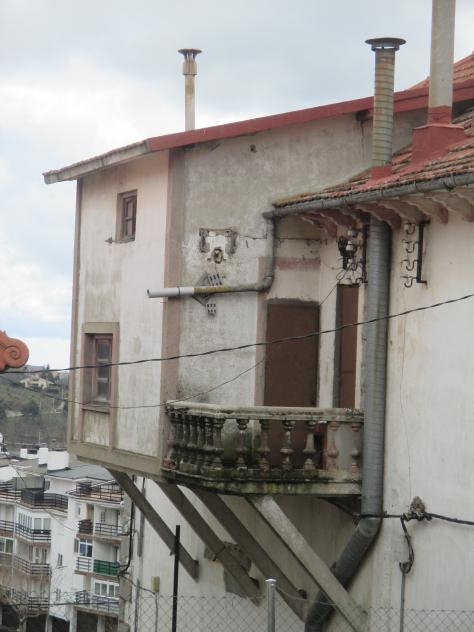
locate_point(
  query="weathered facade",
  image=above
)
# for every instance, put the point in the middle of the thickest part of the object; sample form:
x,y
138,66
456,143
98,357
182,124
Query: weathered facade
x,y
265,445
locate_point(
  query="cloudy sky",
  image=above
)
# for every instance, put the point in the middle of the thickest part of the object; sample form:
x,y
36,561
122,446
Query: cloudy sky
x,y
79,78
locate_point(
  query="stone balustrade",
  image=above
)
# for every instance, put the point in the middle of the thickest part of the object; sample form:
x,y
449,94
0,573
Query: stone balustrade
x,y
265,449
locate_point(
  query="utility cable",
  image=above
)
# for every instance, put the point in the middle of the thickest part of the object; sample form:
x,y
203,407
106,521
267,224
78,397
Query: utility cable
x,y
262,343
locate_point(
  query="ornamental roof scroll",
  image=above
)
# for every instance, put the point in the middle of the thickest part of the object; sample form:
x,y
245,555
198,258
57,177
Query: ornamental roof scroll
x,y
13,352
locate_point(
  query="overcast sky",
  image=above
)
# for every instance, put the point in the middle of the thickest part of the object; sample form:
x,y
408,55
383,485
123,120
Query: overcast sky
x,y
79,78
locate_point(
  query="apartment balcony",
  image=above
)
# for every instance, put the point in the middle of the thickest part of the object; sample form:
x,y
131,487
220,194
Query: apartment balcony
x,y
100,530
89,566
109,493
102,605
6,528
31,568
34,536
263,449
37,499
8,494
6,559
33,604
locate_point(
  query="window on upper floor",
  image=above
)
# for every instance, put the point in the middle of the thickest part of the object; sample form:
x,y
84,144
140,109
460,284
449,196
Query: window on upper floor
x,y
99,342
6,545
106,589
126,216
85,548
60,560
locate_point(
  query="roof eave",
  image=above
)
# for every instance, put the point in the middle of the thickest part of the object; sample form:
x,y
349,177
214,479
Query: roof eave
x,y
115,157
373,195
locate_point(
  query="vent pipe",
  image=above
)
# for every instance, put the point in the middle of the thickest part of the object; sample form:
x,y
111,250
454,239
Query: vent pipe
x,y
432,140
189,72
442,59
382,134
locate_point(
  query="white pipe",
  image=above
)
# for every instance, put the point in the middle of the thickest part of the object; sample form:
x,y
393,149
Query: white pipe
x,y
171,292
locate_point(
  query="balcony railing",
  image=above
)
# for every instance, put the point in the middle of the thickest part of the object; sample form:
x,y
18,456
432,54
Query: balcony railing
x,y
33,535
6,528
32,603
6,559
99,529
97,567
265,449
106,493
31,568
38,499
103,530
107,605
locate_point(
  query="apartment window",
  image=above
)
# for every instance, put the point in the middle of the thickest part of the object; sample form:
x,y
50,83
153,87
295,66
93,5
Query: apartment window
x,y
104,589
85,548
103,517
127,216
60,560
6,545
102,370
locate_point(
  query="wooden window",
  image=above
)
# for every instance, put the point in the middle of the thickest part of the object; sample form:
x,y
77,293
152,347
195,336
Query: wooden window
x,y
127,216
346,347
102,371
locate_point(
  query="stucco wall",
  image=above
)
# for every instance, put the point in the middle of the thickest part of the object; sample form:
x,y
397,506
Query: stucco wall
x,y
113,281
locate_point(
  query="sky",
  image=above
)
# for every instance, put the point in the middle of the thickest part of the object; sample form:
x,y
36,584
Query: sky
x,y
80,78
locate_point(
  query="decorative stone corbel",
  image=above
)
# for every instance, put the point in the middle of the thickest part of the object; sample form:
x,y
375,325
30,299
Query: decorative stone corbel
x,y
13,352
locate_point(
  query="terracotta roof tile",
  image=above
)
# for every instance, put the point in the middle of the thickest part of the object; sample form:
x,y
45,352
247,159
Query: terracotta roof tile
x,y
463,71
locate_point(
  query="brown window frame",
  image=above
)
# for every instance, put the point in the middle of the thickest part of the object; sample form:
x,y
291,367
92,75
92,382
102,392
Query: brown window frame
x,y
93,334
124,219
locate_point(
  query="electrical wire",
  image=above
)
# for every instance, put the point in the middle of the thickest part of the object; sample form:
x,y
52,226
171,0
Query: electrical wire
x,y
262,343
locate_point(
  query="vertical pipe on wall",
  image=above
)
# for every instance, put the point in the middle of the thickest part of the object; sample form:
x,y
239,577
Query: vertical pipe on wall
x,y
189,72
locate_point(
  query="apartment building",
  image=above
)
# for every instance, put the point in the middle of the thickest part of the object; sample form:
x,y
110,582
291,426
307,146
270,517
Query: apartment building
x,y
276,229
61,525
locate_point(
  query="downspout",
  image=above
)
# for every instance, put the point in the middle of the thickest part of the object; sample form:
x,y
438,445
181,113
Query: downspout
x,y
259,286
375,343
375,358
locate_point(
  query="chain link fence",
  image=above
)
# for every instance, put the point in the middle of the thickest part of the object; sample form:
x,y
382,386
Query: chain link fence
x,y
152,612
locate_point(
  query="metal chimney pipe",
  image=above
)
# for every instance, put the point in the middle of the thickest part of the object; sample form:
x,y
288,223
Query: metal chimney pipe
x,y
382,134
442,59
189,72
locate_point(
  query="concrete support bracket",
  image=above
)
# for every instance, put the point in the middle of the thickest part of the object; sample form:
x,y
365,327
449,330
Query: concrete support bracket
x,y
156,521
209,537
272,513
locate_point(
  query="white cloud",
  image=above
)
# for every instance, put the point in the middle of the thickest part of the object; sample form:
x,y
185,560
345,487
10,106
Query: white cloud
x,y
52,351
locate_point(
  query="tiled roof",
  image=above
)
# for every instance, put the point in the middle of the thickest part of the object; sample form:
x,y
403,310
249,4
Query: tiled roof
x,y
458,159
463,71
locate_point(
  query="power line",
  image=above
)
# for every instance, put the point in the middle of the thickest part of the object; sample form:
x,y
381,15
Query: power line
x,y
250,345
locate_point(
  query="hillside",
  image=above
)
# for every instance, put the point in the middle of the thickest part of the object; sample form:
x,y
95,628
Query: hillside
x,y
30,415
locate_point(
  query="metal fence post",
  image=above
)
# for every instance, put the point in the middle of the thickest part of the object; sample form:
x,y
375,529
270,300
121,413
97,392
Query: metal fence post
x,y
271,584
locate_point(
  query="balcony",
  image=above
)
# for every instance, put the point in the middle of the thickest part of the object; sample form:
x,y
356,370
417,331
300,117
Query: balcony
x,y
31,568
37,499
32,603
6,559
102,493
100,530
104,605
6,528
37,536
263,449
96,567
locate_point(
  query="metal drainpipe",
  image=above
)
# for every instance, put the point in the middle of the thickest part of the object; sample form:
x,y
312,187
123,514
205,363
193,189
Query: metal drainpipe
x,y
375,359
260,286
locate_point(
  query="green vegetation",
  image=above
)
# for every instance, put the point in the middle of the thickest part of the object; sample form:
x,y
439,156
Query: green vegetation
x,y
29,415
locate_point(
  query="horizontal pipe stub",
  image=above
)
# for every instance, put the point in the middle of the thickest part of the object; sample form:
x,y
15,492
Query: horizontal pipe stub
x,y
383,43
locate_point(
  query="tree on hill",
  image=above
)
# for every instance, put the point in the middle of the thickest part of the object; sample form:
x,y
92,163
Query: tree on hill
x,y
30,408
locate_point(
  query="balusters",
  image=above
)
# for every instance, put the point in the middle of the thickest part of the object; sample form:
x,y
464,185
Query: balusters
x,y
201,442
287,450
218,448
192,441
209,442
309,450
264,450
355,452
332,452
241,449
171,460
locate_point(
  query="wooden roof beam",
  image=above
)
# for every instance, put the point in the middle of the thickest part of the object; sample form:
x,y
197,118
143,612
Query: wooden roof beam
x,y
429,206
407,212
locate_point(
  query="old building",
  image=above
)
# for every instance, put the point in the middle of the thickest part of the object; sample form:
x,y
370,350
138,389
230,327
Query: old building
x,y
275,448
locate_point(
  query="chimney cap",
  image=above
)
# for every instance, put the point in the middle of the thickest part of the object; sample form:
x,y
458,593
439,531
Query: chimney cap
x,y
382,43
190,52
